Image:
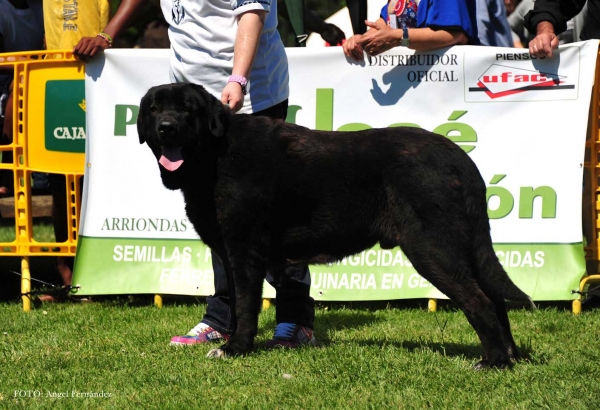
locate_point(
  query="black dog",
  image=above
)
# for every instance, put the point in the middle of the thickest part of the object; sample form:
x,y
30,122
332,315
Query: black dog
x,y
264,193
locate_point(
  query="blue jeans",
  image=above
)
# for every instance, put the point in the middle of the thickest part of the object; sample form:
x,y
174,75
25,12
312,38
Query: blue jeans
x,y
292,298
293,301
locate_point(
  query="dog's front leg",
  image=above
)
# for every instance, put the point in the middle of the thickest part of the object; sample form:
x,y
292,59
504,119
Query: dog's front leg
x,y
248,274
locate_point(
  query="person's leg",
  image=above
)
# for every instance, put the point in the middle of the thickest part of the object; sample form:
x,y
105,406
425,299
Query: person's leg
x,y
295,308
214,326
64,265
6,108
295,313
58,190
218,314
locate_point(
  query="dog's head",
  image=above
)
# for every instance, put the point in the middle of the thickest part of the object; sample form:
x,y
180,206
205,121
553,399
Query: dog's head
x,y
177,121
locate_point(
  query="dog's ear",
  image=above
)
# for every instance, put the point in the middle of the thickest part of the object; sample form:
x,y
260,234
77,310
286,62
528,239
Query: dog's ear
x,y
140,125
216,123
210,109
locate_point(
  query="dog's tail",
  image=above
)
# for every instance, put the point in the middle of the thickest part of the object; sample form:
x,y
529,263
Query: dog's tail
x,y
489,273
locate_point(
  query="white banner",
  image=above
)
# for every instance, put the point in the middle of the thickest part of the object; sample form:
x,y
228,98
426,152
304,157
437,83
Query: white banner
x,y
522,120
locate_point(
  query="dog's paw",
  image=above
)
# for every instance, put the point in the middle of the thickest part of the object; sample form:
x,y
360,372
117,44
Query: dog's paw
x,y
217,354
487,364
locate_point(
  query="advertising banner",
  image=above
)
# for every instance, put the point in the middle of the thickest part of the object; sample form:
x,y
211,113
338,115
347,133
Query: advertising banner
x,y
522,120
59,95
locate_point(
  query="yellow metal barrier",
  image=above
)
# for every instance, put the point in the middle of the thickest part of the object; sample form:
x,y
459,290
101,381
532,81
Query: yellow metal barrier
x,y
48,137
591,195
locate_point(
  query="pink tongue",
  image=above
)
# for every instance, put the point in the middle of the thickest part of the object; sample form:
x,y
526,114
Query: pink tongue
x,y
171,158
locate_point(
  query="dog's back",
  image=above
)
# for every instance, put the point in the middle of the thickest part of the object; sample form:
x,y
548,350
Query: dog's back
x,y
359,186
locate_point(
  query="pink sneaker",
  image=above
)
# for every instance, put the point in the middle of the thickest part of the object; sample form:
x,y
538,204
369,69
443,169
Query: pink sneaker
x,y
201,333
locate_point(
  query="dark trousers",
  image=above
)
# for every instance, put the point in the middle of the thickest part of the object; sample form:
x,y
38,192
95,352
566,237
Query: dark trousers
x,y
293,301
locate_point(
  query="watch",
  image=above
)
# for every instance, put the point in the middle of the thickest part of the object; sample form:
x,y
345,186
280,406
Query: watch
x,y
405,38
241,80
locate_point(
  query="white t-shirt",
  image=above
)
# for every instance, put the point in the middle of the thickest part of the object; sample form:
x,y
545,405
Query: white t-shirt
x,y
202,35
22,30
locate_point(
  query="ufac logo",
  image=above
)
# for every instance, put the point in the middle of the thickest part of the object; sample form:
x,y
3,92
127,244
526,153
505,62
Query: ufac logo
x,y
64,126
500,81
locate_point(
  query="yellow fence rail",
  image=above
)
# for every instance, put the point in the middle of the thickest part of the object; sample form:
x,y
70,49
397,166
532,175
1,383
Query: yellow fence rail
x,y
38,102
591,194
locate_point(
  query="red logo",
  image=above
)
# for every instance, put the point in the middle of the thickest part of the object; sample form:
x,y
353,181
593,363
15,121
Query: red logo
x,y
499,81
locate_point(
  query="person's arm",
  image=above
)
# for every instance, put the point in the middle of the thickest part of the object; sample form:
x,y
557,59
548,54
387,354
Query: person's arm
x,y
548,18
89,46
380,37
250,26
556,12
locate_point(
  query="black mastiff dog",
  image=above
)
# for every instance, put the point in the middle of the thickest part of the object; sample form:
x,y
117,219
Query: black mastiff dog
x,y
263,194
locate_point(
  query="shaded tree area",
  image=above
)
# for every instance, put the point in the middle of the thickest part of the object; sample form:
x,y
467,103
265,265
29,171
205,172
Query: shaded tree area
x,y
152,12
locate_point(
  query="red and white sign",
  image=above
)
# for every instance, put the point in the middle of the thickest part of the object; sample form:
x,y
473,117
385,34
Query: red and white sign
x,y
517,76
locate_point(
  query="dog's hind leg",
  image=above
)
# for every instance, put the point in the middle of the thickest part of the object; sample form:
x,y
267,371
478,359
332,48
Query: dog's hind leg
x,y
495,283
441,263
502,314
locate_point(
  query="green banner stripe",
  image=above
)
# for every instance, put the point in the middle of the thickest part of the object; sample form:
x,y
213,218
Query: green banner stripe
x,y
174,266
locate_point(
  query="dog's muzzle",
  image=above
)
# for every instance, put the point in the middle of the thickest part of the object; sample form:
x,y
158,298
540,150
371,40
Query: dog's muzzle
x,y
167,129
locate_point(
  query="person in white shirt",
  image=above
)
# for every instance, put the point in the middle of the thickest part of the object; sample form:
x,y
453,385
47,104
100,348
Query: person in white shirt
x,y
233,49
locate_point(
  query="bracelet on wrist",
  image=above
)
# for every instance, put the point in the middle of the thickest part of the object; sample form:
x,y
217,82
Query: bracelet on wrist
x,y
106,38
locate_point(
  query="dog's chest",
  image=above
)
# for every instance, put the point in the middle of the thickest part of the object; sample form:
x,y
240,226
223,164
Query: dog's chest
x,y
201,213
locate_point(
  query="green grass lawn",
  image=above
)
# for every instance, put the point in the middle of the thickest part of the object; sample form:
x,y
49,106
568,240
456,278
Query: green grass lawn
x,y
43,230
370,356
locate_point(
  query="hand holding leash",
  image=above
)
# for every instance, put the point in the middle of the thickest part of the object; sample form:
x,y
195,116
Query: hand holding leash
x,y
233,96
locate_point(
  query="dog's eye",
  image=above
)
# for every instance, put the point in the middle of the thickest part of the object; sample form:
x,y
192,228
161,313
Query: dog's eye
x,y
154,109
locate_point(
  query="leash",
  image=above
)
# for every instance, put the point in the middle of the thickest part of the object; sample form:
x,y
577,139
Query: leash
x,y
55,290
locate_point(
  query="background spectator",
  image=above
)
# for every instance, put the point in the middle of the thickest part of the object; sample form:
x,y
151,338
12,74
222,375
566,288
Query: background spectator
x,y
517,11
439,24
493,28
21,29
156,35
548,18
